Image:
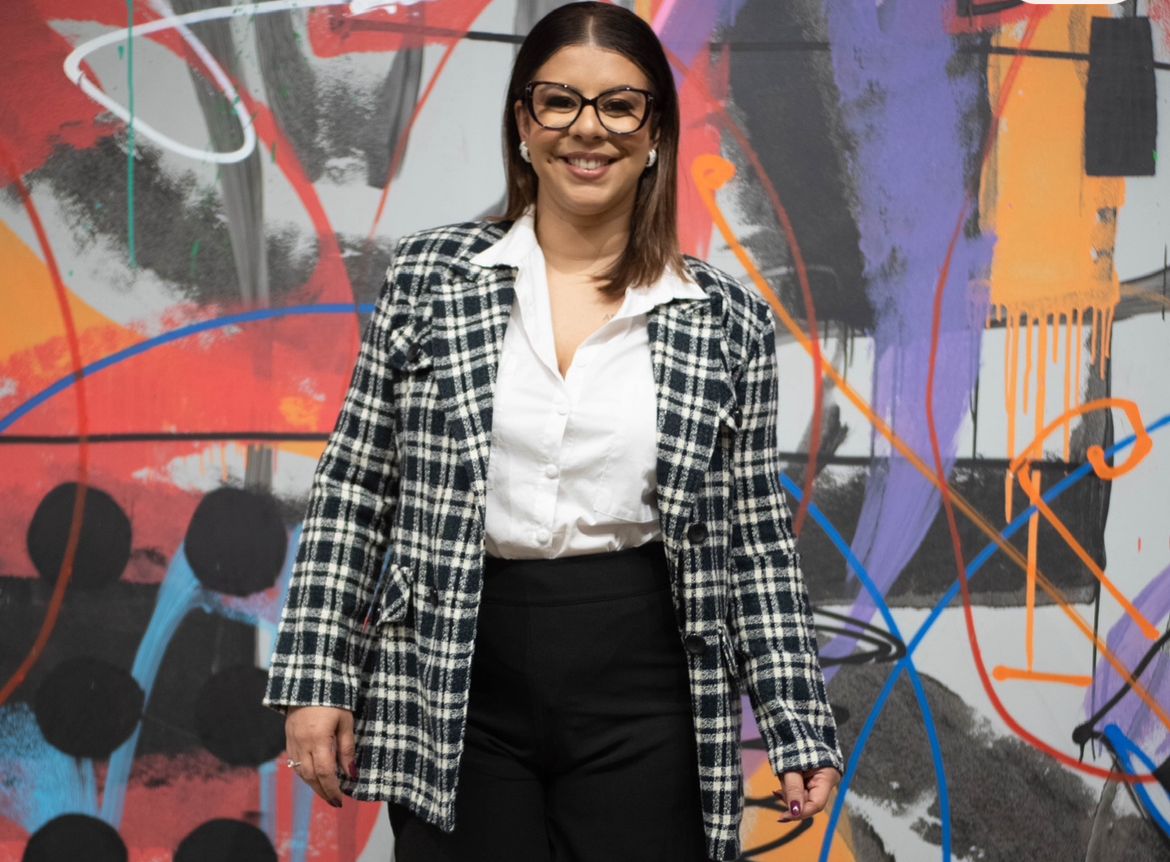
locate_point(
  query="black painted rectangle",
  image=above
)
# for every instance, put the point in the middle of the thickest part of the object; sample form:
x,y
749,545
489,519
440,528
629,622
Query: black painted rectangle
x,y
1121,106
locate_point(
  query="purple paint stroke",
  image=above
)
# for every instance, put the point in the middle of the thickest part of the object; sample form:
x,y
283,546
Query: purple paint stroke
x,y
1129,645
689,27
904,101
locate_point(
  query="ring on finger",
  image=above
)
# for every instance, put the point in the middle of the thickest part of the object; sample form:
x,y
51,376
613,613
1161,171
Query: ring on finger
x,y
292,764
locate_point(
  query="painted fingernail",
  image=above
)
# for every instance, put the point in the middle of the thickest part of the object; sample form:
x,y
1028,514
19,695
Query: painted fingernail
x,y
353,770
336,803
794,807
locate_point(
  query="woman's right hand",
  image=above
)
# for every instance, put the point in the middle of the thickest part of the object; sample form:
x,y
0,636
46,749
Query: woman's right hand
x,y
320,740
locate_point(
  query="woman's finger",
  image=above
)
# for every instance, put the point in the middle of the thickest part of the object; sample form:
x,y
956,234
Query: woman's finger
x,y
346,747
794,795
325,772
309,775
817,787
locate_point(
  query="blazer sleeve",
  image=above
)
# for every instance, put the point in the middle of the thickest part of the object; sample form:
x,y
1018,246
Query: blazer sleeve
x,y
771,622
322,639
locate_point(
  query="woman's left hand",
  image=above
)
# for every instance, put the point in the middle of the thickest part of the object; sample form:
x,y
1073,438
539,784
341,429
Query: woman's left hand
x,y
805,793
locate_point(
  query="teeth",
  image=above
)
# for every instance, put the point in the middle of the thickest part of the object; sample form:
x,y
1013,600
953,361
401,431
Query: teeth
x,y
587,164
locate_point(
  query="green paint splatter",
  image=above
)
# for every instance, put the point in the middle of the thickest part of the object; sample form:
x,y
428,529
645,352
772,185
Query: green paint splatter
x,y
274,151
130,149
121,51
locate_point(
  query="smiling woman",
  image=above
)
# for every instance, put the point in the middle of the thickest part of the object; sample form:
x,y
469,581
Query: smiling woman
x,y
554,485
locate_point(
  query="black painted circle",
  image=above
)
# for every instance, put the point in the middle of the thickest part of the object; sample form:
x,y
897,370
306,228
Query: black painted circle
x,y
236,541
103,548
226,841
232,722
87,707
75,836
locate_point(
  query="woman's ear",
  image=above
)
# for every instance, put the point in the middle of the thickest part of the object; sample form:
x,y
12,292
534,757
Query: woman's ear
x,y
522,120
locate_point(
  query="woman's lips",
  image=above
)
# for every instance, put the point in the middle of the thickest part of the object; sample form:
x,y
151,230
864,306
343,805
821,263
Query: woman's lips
x,y
587,173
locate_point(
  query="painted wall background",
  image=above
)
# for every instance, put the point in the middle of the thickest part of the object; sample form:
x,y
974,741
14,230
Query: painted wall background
x,y
957,210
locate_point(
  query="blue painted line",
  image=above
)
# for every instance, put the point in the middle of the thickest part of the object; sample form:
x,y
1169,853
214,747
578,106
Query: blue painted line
x,y
177,595
919,692
93,368
1126,747
972,569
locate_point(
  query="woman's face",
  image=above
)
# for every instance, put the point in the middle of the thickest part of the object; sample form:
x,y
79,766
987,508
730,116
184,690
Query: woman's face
x,y
570,181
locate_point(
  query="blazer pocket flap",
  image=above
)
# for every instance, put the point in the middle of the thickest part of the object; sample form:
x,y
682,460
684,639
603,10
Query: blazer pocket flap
x,y
392,595
730,659
409,348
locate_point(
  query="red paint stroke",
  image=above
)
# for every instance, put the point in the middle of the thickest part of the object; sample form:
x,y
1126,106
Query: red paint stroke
x,y
936,451
329,281
82,418
404,139
720,112
955,23
40,109
705,84
334,32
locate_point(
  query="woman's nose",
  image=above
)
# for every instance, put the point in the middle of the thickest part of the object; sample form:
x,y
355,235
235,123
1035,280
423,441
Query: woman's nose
x,y
588,123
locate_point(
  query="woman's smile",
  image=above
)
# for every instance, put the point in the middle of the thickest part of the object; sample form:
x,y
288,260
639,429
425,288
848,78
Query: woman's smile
x,y
585,166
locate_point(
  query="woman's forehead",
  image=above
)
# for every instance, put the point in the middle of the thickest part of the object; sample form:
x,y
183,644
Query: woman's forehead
x,y
591,69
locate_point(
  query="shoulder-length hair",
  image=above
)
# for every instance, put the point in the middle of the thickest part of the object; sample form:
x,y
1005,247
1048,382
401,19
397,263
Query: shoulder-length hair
x,y
653,243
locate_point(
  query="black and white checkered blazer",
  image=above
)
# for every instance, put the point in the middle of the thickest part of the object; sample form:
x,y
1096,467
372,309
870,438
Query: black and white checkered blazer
x,y
382,606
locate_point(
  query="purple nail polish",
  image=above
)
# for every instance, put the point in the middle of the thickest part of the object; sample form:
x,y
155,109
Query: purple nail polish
x,y
353,770
794,807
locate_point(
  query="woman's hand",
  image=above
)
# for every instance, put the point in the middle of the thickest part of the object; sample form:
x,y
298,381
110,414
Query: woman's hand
x,y
805,793
319,740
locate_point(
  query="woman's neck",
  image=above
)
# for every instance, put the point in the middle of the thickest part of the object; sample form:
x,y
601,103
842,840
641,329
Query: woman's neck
x,y
581,245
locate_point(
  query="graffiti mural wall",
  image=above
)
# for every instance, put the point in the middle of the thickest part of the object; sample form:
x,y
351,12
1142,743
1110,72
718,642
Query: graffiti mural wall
x,y
956,209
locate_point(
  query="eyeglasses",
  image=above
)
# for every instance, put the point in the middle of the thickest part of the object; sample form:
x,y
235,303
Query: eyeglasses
x,y
621,111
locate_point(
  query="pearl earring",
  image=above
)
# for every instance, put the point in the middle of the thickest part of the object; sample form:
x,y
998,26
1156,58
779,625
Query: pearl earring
x,y
524,152
652,158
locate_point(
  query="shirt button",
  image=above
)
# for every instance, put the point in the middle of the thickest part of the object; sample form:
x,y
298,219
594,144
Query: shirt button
x,y
562,408
543,536
551,471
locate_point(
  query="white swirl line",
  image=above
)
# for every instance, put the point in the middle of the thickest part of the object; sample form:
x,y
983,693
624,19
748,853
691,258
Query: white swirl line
x,y
75,74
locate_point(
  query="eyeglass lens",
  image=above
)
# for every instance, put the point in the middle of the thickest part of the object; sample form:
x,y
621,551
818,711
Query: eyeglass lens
x,y
557,107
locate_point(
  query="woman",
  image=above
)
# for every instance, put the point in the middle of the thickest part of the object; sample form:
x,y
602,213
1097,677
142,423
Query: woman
x,y
560,439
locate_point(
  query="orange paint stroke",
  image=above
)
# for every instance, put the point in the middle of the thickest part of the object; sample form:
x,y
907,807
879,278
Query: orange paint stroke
x,y
1027,366
812,345
1022,468
950,497
1004,674
1068,352
711,172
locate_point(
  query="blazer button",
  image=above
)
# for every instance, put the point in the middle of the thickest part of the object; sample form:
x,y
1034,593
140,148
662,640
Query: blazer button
x,y
697,534
695,644
413,352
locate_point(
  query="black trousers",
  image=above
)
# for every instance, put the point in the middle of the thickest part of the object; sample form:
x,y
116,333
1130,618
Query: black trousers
x,y
580,742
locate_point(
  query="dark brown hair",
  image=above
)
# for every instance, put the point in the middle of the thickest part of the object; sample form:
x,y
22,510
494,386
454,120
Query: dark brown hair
x,y
653,241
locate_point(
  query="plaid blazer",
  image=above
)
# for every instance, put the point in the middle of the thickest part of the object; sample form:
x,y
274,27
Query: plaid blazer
x,y
382,605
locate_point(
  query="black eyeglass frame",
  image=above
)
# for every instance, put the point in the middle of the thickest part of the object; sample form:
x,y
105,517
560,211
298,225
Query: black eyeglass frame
x,y
586,102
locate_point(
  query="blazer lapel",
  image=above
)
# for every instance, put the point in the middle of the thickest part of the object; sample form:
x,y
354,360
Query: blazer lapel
x,y
470,313
694,394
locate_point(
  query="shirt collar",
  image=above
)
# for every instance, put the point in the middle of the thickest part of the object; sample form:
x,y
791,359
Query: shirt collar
x,y
516,246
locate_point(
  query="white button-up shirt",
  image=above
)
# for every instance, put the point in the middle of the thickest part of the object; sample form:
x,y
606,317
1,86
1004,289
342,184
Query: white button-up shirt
x,y
573,459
